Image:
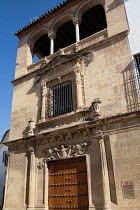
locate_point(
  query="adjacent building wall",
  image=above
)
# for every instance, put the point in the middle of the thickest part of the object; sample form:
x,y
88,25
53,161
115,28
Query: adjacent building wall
x,y
3,165
133,15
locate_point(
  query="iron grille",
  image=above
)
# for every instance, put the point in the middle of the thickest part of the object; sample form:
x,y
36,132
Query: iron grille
x,y
60,99
137,67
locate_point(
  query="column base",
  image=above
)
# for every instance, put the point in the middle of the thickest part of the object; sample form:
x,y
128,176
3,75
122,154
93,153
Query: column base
x,y
37,208
92,207
106,208
30,208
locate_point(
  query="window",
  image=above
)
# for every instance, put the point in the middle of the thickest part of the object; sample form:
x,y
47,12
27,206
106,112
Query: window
x,y
137,67
5,158
60,99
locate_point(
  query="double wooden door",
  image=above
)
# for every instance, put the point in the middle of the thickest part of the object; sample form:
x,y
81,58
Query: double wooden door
x,y
68,187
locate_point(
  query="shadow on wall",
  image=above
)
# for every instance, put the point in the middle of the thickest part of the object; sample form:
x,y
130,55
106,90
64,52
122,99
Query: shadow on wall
x,y
35,89
130,87
111,175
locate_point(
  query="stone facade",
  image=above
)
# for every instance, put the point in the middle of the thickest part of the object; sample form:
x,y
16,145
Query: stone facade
x,y
102,124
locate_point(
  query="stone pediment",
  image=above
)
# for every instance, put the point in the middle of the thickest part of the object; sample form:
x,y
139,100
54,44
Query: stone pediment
x,y
58,60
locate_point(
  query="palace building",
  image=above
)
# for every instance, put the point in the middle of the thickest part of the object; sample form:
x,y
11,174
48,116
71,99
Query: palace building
x,y
75,125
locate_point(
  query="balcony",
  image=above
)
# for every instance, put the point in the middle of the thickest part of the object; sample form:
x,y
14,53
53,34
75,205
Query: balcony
x,y
76,47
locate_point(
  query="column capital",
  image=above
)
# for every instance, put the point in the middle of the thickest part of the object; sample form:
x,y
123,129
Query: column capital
x,y
76,21
43,84
99,136
31,149
52,34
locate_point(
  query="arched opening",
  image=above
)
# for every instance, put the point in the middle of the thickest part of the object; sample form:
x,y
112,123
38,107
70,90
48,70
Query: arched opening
x,y
42,47
65,36
93,21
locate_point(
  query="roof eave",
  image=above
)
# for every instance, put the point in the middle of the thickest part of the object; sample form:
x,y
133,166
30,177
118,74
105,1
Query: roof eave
x,y
45,15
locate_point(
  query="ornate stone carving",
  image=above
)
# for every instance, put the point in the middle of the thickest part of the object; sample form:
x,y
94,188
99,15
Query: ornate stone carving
x,y
66,151
30,149
31,125
94,110
40,165
99,135
95,105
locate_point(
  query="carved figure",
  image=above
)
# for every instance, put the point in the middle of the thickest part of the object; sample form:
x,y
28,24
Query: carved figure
x,y
51,154
31,125
40,165
85,146
78,149
95,109
65,151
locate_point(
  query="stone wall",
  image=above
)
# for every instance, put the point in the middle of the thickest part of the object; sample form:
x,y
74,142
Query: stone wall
x,y
122,148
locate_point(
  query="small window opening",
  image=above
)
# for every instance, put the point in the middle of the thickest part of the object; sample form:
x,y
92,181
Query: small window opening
x,y
5,158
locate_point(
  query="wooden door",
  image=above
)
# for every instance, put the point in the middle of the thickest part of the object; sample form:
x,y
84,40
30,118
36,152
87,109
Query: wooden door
x,y
68,184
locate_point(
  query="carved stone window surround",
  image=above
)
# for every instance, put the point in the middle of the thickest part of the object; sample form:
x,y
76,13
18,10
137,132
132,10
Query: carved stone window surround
x,y
53,74
74,75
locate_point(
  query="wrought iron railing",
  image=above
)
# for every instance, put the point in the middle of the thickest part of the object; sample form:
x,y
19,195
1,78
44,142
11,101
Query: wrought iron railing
x,y
60,99
137,68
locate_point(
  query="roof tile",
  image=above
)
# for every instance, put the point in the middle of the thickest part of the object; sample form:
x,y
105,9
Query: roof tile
x,y
46,14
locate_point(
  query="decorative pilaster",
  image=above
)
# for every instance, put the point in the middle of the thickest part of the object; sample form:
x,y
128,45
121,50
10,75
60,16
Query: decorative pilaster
x,y
31,197
46,186
91,205
52,37
43,108
79,88
77,23
105,179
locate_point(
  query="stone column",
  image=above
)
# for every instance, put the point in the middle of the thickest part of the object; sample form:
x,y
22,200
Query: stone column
x,y
105,179
52,37
91,205
77,23
31,198
43,107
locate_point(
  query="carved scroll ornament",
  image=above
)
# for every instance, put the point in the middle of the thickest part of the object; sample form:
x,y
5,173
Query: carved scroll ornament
x,y
66,151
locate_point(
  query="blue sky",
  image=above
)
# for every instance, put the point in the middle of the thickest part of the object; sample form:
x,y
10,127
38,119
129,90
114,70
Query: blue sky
x,y
14,15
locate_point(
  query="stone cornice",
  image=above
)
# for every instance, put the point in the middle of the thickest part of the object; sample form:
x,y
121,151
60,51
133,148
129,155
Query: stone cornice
x,y
83,129
46,68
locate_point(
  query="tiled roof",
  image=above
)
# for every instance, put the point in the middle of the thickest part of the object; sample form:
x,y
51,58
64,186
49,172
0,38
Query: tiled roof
x,y
3,138
45,15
